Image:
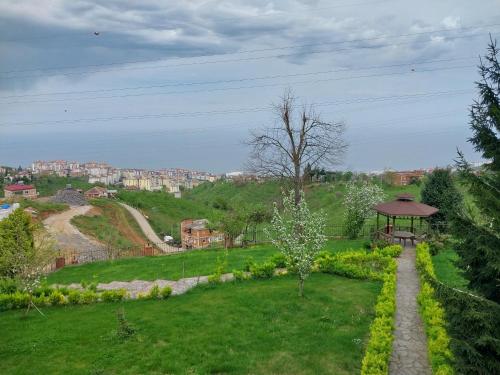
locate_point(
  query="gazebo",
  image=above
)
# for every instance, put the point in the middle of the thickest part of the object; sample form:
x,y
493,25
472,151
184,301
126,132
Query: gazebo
x,y
404,207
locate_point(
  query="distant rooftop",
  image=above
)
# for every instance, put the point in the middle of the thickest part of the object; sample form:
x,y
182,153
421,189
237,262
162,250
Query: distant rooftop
x,y
19,187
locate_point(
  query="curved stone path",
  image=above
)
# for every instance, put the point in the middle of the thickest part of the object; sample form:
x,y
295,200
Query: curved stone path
x,y
136,287
409,355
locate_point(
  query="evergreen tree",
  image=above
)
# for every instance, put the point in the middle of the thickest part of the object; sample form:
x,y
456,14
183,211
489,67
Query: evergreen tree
x,y
440,191
479,230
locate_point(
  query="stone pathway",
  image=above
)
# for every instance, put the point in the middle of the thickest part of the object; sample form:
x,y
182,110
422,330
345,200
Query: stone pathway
x,y
409,356
140,286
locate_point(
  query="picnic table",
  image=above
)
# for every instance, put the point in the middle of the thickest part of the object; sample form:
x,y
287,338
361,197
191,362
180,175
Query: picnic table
x,y
404,235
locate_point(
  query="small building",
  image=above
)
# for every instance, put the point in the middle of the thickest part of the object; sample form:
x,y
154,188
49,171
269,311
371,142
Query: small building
x,y
195,234
18,191
404,178
96,192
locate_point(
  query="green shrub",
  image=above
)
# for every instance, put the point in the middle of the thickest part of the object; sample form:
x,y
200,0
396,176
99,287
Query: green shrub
x,y
8,285
41,300
20,300
6,302
166,292
154,292
113,295
64,290
74,297
57,298
249,263
125,329
433,315
214,279
379,347
279,260
262,271
354,264
392,251
88,297
43,290
239,275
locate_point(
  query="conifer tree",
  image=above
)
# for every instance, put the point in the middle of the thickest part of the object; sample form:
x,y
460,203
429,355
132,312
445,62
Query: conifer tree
x,y
478,230
440,191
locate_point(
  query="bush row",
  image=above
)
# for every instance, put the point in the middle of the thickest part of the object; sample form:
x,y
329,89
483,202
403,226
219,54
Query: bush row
x,y
61,297
433,316
379,347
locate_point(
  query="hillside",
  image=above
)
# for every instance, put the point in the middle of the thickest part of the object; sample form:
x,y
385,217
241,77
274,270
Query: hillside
x,y
110,223
49,185
210,200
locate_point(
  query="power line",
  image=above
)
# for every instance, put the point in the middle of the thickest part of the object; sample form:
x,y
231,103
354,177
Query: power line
x,y
422,62
241,52
241,110
244,87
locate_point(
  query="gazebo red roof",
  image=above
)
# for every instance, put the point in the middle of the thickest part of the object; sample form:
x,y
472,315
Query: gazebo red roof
x,y
405,206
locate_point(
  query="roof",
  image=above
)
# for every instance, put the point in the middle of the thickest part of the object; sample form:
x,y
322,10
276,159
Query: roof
x,y
199,224
19,187
405,206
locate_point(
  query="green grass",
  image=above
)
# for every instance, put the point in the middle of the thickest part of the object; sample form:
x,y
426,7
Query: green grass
x,y
44,209
49,185
446,270
165,212
113,225
257,327
194,263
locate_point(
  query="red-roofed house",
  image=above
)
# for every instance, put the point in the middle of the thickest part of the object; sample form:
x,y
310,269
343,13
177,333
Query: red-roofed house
x,y
17,191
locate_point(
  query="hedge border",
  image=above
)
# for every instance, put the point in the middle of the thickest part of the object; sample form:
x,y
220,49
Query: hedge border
x,y
433,315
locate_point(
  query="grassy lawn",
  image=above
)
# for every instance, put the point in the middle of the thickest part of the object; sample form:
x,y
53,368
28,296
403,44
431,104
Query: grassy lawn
x,y
257,327
49,185
446,270
112,224
194,263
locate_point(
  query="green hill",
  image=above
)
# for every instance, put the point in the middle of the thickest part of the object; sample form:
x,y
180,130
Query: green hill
x,y
210,200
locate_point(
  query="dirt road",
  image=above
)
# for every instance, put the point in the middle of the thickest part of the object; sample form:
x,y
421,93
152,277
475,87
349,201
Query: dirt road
x,y
148,231
70,238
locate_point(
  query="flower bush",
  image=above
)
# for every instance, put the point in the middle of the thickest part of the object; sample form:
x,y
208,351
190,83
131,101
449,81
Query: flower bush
x,y
433,316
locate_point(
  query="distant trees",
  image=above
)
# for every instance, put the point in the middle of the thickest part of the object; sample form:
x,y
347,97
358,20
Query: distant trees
x,y
478,230
299,138
298,234
358,202
440,191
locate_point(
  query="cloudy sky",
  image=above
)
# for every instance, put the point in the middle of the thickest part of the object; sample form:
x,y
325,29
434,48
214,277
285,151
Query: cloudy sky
x,y
143,83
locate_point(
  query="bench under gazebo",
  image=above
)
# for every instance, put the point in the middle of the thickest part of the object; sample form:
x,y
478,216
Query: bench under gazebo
x,y
404,207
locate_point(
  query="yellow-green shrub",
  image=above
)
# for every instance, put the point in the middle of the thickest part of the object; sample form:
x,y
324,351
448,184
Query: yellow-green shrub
x,y
433,316
379,348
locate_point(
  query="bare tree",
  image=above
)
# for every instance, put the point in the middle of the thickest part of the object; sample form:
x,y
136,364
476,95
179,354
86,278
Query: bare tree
x,y
298,138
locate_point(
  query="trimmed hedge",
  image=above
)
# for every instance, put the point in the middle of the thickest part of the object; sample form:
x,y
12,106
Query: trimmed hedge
x,y
433,316
19,300
379,348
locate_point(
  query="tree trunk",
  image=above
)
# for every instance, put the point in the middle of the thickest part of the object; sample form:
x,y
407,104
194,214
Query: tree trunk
x,y
301,287
297,184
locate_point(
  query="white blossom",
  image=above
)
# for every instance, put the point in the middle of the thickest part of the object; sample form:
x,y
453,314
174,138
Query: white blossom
x,y
298,234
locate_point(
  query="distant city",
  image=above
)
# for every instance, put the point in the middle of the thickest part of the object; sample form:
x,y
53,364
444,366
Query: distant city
x,y
170,180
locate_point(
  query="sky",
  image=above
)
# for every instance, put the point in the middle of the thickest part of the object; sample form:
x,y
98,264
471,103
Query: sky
x,y
159,84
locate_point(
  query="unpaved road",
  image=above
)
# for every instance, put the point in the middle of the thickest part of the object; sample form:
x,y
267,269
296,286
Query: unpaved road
x,y
148,231
71,239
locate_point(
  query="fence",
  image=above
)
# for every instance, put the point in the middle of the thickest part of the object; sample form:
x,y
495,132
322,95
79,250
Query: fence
x,y
251,237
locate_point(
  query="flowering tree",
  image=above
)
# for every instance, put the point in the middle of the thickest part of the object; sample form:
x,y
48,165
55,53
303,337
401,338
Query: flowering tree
x,y
359,201
25,251
298,234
